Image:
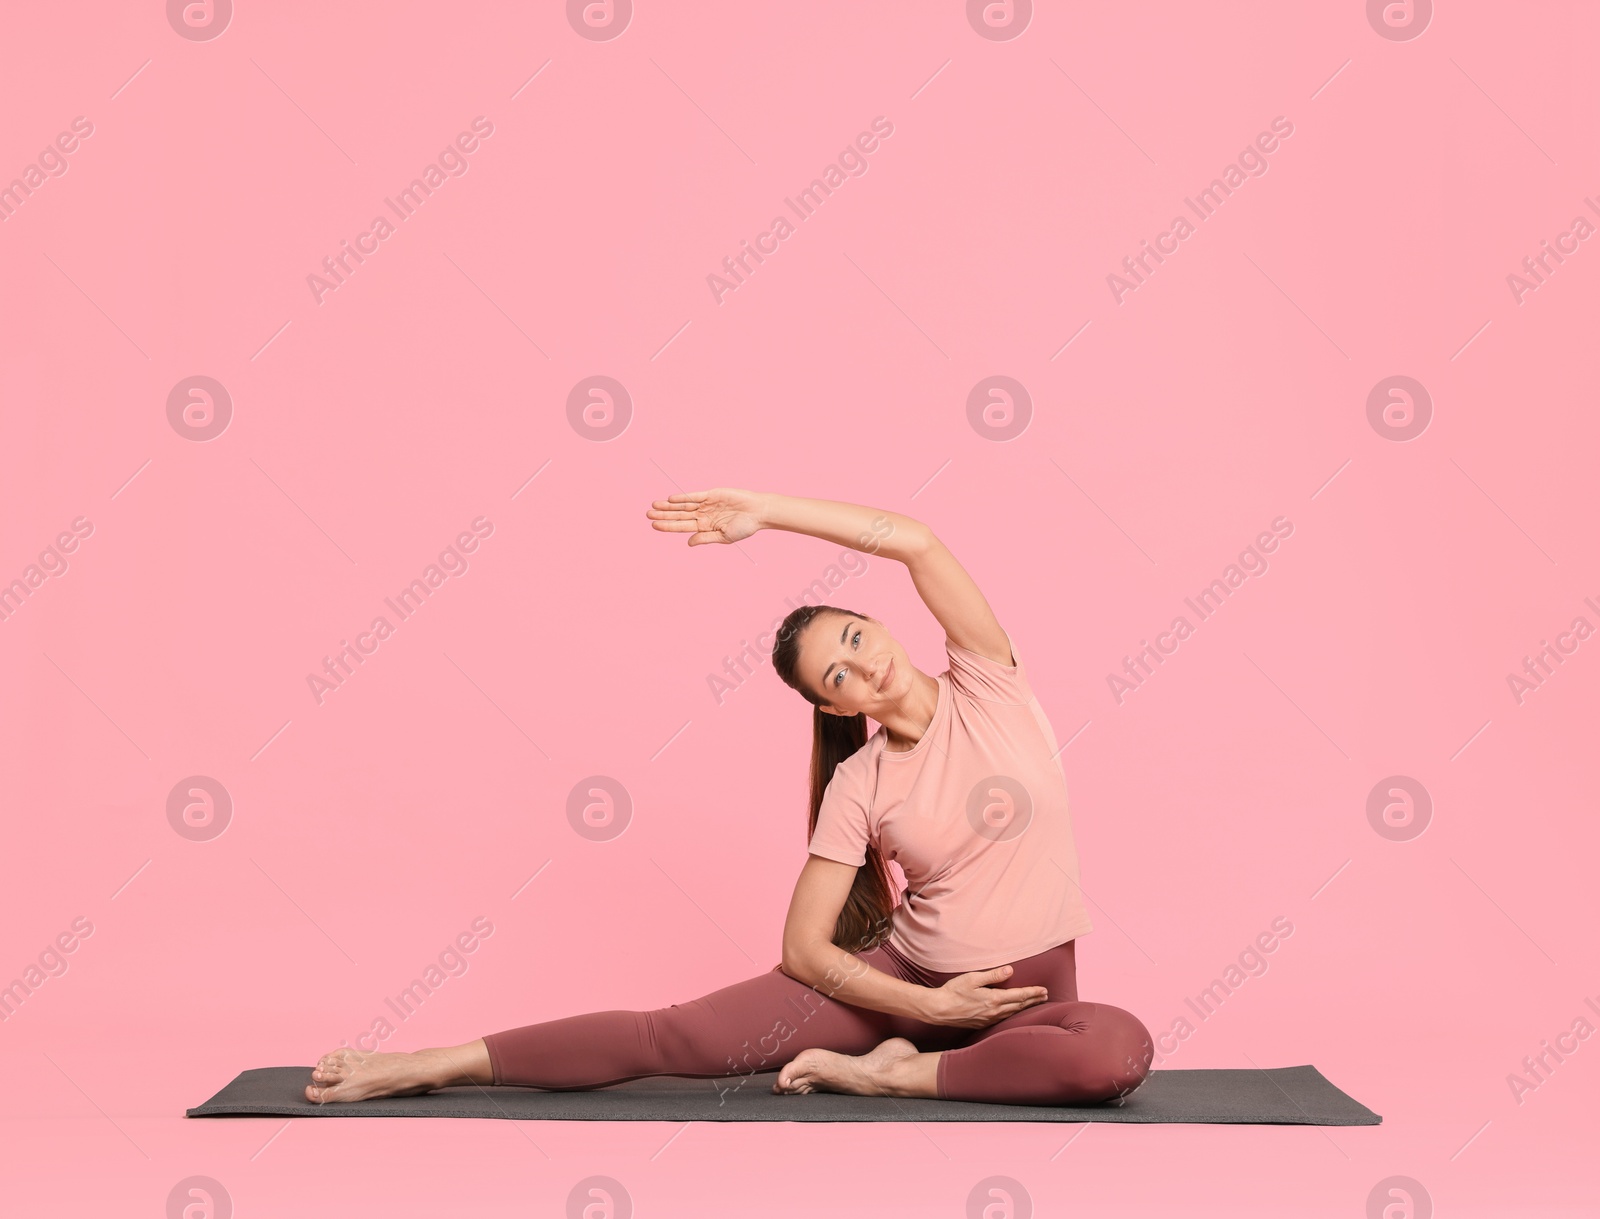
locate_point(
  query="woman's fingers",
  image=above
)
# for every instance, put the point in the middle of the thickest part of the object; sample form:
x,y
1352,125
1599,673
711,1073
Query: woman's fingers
x,y
1016,1000
676,509
1027,993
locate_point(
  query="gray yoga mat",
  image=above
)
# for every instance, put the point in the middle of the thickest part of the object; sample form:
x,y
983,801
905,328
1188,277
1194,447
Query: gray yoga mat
x,y
1299,1096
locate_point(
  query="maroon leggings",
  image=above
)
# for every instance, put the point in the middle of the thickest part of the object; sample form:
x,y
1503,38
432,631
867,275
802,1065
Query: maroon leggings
x,y
1060,1052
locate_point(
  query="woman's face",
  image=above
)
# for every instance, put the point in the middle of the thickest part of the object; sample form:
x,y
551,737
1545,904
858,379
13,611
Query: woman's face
x,y
854,664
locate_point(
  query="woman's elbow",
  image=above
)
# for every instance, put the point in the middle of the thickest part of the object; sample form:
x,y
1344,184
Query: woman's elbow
x,y
910,540
790,966
797,962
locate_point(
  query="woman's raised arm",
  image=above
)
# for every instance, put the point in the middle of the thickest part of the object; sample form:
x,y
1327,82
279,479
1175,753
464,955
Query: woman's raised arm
x,y
872,530
951,595
727,514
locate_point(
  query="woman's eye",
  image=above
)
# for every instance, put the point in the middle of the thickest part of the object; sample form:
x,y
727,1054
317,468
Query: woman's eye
x,y
855,640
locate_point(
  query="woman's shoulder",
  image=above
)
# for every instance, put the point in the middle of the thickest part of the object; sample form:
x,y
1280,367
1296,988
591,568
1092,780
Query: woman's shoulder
x,y
983,677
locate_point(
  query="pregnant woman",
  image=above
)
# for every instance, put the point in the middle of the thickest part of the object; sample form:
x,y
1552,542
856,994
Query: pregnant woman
x,y
966,989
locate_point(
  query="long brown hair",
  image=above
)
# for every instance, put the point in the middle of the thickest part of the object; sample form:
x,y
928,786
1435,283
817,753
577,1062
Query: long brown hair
x,y
864,921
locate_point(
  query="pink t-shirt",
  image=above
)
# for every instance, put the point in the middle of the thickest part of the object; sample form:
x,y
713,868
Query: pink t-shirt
x,y
975,814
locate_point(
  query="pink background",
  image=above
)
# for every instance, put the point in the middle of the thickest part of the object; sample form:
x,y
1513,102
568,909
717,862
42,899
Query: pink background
x,y
367,431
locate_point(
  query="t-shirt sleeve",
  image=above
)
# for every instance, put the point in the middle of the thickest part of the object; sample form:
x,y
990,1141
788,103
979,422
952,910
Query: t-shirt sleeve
x,y
979,677
842,834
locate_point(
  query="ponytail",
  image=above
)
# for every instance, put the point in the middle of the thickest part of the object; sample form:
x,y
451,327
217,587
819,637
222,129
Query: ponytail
x,y
864,920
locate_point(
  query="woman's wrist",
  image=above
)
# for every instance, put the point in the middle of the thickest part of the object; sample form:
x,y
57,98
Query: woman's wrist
x,y
930,1005
766,501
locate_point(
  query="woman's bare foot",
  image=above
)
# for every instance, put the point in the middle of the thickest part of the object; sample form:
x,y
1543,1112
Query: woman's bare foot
x,y
893,1068
348,1074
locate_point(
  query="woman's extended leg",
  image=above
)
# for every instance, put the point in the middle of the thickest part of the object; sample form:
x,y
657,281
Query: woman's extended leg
x,y
755,1025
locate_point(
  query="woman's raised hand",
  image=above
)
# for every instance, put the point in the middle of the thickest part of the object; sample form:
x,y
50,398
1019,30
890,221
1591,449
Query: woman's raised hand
x,y
722,514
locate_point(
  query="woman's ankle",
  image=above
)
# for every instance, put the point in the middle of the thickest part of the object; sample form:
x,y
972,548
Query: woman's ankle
x,y
447,1067
914,1075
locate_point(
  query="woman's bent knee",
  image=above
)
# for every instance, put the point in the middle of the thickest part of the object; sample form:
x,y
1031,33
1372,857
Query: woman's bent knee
x,y
1125,1051
1107,1057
